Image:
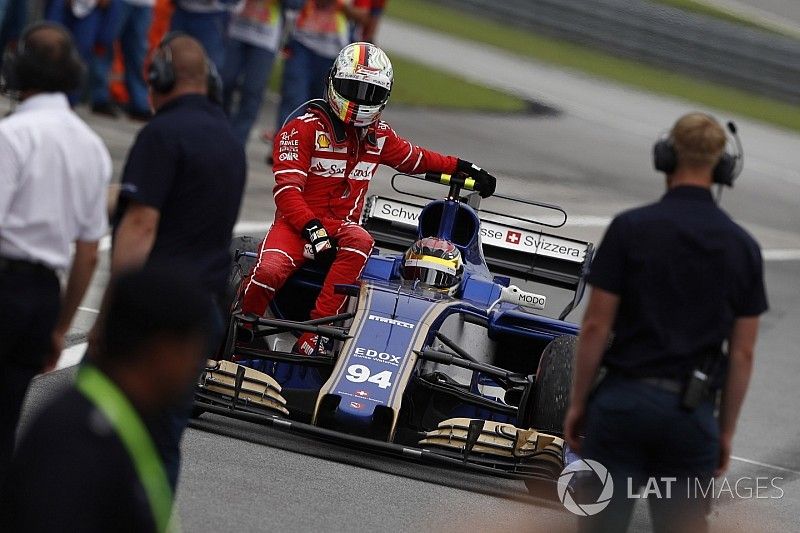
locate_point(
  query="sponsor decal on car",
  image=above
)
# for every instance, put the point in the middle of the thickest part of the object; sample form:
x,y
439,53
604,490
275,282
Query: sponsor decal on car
x,y
513,237
391,321
375,355
492,234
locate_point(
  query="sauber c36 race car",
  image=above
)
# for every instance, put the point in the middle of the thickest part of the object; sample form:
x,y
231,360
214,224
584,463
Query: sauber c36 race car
x,y
479,379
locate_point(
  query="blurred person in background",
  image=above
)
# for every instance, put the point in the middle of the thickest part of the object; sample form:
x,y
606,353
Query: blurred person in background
x,y
13,14
88,462
321,30
367,30
254,35
180,194
54,174
133,25
676,280
206,21
93,24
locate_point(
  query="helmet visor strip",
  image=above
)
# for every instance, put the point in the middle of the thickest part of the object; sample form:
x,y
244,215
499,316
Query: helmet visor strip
x,y
361,92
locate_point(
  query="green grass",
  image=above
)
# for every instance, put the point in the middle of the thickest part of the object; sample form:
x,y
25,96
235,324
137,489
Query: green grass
x,y
702,8
562,53
421,86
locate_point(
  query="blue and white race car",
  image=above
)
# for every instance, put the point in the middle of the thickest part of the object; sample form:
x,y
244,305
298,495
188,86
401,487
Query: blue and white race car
x,y
479,379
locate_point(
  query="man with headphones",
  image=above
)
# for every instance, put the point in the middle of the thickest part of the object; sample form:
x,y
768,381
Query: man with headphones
x,y
54,175
181,191
681,285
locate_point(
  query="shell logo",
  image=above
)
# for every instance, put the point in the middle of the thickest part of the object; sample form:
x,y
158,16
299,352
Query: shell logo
x,y
323,141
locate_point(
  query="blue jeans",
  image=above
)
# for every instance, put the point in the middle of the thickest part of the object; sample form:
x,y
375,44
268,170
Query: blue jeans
x,y
305,76
208,28
638,431
246,70
133,25
94,37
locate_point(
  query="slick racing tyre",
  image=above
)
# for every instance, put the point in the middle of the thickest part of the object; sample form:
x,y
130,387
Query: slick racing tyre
x,y
545,401
241,267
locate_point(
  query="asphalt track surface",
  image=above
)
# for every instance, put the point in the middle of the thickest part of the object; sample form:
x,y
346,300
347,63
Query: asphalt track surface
x,y
592,158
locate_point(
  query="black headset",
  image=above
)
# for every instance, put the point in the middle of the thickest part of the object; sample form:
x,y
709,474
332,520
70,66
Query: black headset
x,y
727,169
21,64
161,71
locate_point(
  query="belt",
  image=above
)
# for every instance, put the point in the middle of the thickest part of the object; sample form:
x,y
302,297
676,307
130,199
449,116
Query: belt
x,y
21,266
666,384
673,386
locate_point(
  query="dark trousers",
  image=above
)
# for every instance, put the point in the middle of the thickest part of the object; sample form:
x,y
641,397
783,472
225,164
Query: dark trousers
x,y
166,428
29,305
639,432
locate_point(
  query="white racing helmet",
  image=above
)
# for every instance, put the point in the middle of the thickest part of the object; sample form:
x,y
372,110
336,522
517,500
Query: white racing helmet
x,y
359,84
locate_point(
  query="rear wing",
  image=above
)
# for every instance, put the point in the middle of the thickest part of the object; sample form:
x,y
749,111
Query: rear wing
x,y
531,255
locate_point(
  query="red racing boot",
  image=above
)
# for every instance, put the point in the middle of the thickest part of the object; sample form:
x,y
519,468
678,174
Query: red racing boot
x,y
311,344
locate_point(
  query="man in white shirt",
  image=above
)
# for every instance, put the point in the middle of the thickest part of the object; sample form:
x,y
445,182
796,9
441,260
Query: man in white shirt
x,y
54,174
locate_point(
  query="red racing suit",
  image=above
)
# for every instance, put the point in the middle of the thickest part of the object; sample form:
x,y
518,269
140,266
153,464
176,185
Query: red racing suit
x,y
322,171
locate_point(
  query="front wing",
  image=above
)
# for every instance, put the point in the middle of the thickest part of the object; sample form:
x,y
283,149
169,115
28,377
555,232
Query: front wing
x,y
476,445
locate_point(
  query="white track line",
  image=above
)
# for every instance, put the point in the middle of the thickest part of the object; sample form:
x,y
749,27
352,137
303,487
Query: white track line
x,y
786,254
766,465
246,226
71,356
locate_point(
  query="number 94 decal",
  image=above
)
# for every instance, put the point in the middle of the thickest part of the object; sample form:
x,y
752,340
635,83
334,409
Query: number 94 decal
x,y
361,373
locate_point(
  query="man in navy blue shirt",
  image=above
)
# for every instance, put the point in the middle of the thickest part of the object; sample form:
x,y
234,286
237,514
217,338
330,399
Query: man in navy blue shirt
x,y
181,189
675,280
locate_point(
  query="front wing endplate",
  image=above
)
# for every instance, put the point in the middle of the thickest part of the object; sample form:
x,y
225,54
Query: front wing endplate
x,y
256,388
500,440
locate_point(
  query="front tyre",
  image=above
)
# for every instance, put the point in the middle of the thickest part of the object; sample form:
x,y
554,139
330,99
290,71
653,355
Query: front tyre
x,y
545,402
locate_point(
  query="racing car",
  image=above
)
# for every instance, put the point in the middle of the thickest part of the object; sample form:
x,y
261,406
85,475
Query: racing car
x,y
478,379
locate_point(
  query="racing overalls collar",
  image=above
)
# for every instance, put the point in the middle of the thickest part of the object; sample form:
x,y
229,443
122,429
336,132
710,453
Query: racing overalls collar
x,y
339,128
127,424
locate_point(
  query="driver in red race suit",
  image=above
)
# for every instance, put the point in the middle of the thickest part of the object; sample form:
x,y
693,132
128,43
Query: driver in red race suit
x,y
324,160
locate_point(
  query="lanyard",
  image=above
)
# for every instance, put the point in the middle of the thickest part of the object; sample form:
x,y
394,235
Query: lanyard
x,y
130,429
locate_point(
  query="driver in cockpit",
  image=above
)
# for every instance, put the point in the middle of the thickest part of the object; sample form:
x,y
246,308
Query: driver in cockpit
x,y
435,264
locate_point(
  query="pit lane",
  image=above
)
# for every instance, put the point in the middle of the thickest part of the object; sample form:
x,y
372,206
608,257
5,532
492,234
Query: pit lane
x,y
593,161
